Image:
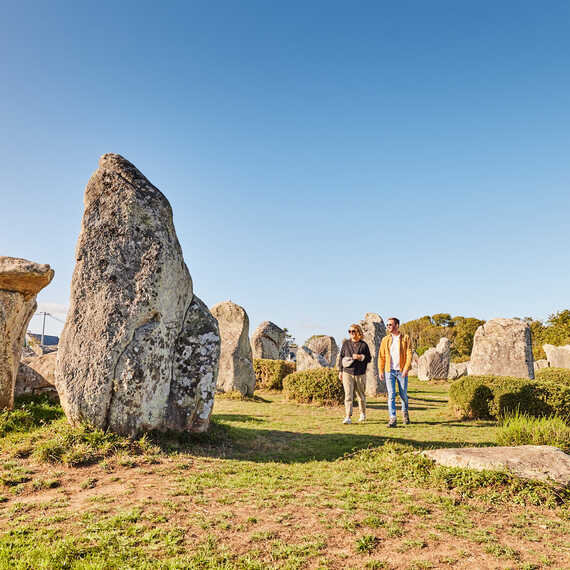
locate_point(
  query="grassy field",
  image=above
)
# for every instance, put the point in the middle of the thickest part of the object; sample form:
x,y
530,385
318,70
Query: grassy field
x,y
273,485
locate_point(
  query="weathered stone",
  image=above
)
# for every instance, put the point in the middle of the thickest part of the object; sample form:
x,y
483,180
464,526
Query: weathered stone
x,y
414,367
374,331
457,370
267,341
309,360
541,462
558,356
139,351
433,364
236,367
36,375
20,281
324,346
23,276
502,347
542,363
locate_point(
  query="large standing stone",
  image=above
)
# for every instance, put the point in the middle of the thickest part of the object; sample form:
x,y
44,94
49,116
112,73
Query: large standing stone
x,y
433,364
267,341
36,375
139,351
324,346
309,360
557,356
20,281
502,347
415,361
374,331
236,367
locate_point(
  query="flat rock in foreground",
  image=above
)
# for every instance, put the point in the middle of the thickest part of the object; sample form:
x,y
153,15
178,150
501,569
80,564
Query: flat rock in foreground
x,y
541,462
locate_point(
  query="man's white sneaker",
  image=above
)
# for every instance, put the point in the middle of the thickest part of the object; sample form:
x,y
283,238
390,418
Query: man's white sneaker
x,y
347,421
362,418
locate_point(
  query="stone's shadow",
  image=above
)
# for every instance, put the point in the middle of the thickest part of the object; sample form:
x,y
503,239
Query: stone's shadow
x,y
238,418
266,446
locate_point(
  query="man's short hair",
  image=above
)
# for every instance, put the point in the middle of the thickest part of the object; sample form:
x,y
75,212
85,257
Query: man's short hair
x,y
395,319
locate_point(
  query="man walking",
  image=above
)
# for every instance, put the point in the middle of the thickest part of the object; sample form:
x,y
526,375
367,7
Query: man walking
x,y
394,362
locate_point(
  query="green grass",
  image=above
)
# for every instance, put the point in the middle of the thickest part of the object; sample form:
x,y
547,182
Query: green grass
x,y
272,485
521,429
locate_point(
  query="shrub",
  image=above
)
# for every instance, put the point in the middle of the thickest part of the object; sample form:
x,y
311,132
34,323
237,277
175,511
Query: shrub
x,y
522,429
513,395
559,375
319,386
269,373
469,397
479,397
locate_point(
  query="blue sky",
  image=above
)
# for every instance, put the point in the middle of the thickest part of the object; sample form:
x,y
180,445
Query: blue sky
x,y
323,159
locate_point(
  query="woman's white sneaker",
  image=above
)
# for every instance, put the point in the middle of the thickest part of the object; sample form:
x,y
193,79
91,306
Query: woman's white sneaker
x,y
347,421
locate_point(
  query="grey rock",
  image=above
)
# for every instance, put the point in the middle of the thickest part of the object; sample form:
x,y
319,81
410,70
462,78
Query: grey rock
x,y
326,347
309,360
36,375
268,341
539,462
20,281
415,361
558,356
433,364
236,367
139,351
374,331
457,370
541,363
502,347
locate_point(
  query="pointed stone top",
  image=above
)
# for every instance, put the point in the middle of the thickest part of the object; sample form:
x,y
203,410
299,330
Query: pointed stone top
x,y
23,276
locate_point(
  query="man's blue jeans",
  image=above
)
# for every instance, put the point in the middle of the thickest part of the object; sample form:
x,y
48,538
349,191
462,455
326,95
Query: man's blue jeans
x,y
391,378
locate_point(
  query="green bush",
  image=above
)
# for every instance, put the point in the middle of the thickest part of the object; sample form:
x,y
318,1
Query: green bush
x,y
559,375
469,397
480,397
269,373
320,386
513,395
522,429
555,384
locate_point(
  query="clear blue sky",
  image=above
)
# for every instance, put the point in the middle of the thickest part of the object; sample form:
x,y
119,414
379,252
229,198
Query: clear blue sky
x,y
323,159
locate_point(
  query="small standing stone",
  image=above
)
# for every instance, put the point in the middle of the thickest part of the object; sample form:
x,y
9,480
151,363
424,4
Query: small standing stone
x,y
236,367
267,341
374,331
309,360
557,356
324,346
433,364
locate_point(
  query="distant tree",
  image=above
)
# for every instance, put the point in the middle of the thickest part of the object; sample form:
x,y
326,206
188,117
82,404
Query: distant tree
x,y
442,320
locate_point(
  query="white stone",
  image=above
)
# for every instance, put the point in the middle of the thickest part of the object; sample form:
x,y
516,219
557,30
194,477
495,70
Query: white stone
x,y
557,356
433,364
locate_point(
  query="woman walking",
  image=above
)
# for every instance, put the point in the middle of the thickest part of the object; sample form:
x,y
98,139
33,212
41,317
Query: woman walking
x,y
354,357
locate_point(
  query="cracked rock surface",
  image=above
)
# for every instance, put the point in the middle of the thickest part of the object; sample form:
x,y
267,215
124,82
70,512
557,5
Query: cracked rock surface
x,y
20,281
139,351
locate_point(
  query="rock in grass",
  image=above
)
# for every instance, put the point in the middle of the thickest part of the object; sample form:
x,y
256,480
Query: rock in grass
x,y
539,462
309,360
20,281
557,356
268,341
36,375
502,347
139,351
457,370
374,331
325,346
236,366
433,364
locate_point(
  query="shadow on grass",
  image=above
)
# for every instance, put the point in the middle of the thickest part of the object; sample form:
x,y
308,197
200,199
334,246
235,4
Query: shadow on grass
x,y
234,442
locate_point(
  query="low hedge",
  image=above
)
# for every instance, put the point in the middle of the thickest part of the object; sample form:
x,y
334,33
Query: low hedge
x,y
319,386
484,397
269,373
